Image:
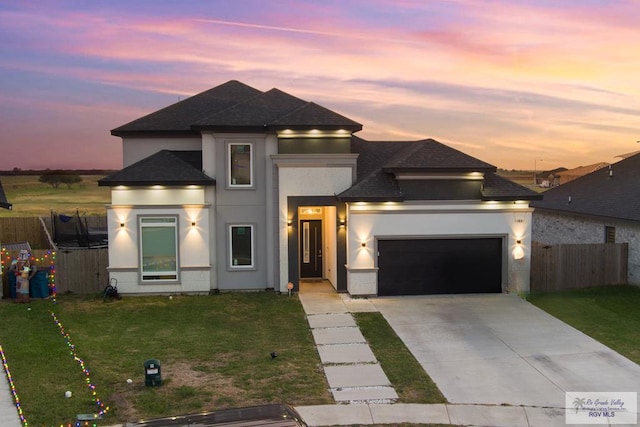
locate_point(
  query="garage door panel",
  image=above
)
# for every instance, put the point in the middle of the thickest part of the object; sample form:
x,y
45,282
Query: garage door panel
x,y
439,266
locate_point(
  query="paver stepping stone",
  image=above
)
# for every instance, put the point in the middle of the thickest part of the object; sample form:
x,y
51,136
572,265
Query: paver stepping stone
x,y
330,320
346,353
346,335
365,375
364,394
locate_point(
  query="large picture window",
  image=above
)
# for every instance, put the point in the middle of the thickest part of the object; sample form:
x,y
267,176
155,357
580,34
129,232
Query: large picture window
x,y
241,246
240,165
158,249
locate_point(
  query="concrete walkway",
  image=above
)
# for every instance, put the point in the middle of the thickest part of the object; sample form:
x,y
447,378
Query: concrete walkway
x,y
352,371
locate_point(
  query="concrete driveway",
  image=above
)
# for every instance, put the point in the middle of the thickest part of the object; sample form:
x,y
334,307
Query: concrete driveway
x,y
499,349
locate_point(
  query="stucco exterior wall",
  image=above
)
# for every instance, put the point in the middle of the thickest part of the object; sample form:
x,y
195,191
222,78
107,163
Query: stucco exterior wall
x,y
369,222
135,149
554,228
193,249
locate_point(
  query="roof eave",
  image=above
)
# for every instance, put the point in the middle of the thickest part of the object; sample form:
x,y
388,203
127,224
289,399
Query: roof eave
x,y
370,199
115,183
152,133
511,198
431,170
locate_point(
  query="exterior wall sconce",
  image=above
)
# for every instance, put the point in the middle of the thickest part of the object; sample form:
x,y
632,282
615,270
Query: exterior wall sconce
x,y
518,251
122,225
363,244
193,223
289,223
342,222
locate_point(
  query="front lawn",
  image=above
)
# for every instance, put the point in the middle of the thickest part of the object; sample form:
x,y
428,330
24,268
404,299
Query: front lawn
x,y
609,314
215,353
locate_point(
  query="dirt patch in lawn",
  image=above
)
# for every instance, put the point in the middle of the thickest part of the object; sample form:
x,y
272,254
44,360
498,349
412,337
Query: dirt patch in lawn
x,y
185,389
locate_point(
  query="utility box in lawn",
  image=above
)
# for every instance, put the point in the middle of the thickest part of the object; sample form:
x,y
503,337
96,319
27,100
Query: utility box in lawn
x,y
152,373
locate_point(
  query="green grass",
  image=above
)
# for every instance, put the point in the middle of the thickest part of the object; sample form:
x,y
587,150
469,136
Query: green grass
x,y
214,353
32,198
610,314
410,381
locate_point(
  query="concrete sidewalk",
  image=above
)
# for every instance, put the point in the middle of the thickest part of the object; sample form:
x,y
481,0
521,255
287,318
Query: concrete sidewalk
x,y
8,412
467,415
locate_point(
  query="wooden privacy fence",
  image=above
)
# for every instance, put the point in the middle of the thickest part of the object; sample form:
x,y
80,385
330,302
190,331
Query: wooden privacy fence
x,y
24,229
559,267
82,271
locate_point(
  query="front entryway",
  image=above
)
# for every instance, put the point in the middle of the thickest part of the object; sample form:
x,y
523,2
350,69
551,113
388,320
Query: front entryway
x,y
311,249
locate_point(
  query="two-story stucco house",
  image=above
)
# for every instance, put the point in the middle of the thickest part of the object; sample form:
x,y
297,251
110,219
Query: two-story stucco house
x,y
239,189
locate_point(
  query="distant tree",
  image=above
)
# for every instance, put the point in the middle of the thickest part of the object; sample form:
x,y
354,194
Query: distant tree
x,y
70,179
53,179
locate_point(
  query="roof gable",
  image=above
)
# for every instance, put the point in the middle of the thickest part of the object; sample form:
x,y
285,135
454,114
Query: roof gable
x,y
378,162
234,106
258,111
171,168
612,192
180,116
430,155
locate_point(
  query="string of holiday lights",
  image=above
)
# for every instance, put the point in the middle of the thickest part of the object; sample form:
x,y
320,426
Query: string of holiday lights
x,y
102,408
12,386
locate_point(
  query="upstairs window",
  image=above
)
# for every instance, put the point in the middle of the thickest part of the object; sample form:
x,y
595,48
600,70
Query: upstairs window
x,y
158,249
240,165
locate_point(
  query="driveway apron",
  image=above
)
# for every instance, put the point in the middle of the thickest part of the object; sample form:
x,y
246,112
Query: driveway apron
x,y
499,349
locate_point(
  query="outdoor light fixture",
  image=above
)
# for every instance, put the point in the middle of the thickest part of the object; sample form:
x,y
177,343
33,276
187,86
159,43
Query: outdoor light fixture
x,y
363,244
343,222
518,251
122,225
193,223
289,223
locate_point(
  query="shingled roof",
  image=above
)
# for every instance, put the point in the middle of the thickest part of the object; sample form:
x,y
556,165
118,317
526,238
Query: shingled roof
x,y
612,192
170,168
378,161
234,106
3,199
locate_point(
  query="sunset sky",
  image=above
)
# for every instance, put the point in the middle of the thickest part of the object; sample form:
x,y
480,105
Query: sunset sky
x,y
515,83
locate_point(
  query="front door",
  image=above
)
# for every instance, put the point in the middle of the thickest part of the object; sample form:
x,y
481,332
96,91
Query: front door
x,y
311,248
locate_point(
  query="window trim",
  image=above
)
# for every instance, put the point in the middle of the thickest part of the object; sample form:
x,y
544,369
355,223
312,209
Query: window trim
x,y
251,184
230,265
174,223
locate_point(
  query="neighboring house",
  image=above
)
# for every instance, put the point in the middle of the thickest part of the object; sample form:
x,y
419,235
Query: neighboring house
x,y
601,207
569,175
549,178
3,199
238,189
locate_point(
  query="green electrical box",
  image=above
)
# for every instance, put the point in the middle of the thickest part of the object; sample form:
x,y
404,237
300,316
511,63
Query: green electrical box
x,y
152,373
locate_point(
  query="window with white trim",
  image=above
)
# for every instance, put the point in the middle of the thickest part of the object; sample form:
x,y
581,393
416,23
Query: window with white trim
x,y
158,248
241,246
240,165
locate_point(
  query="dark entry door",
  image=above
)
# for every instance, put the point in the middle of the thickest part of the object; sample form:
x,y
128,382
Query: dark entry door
x,y
439,266
310,248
